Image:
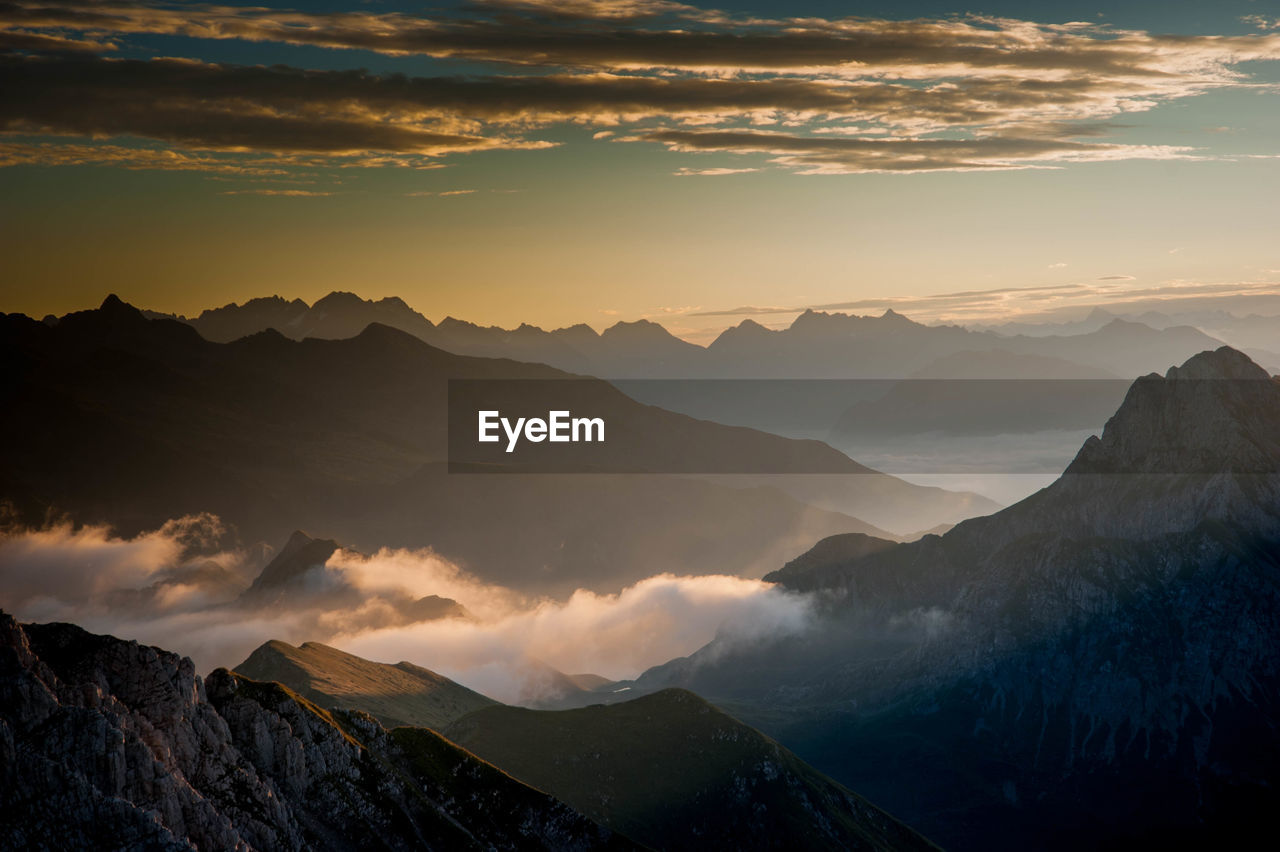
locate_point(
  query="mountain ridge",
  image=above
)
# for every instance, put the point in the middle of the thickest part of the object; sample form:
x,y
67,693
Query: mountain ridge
x,y
108,742
1098,662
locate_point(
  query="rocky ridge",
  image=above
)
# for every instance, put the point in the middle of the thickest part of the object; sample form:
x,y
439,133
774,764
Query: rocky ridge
x,y
111,744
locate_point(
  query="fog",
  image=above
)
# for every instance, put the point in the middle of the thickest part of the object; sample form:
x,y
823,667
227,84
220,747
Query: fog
x,y
179,588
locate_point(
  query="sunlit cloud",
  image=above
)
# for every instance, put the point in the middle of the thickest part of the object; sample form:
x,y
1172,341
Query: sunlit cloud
x,y
287,193
178,588
853,94
711,172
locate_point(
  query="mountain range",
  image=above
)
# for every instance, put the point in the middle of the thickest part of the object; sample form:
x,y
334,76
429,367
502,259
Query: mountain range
x,y
108,743
118,419
816,345
1100,660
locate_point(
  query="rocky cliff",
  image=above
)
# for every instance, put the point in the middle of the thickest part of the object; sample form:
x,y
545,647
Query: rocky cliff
x,y
111,744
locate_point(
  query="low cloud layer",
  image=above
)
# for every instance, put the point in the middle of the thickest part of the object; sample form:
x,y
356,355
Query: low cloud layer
x,y
1119,294
180,588
815,95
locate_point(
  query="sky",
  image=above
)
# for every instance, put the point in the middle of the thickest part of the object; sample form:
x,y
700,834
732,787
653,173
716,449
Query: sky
x,y
508,161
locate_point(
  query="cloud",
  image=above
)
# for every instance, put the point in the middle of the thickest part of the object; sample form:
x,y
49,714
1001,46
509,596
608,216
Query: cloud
x,y
448,193
968,92
842,155
711,172
862,47
599,10
618,636
1261,22
1049,303
290,193
181,586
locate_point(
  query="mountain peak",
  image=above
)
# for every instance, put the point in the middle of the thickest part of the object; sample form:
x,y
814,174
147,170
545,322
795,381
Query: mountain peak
x,y
339,297
296,542
1221,363
1216,413
115,308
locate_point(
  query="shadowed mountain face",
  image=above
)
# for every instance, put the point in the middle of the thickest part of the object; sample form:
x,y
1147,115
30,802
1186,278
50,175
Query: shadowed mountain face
x,y
119,419
816,345
1100,661
111,744
672,772
395,695
667,770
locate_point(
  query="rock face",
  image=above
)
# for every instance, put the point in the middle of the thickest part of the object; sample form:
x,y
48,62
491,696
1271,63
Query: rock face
x,y
112,744
1097,664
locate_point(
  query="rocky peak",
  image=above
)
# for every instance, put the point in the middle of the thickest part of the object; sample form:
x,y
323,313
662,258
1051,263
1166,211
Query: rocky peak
x,y
111,744
1219,412
300,554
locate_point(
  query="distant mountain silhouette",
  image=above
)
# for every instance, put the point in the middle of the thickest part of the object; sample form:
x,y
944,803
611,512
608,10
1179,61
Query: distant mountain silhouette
x,y
1099,663
128,421
1258,336
815,345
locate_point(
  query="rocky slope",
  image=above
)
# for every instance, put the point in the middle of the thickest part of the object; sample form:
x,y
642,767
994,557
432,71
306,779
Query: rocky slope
x,y
111,744
1099,663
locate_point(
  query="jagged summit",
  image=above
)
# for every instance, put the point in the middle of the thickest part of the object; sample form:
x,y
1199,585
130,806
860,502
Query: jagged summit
x,y
1222,363
301,554
1217,413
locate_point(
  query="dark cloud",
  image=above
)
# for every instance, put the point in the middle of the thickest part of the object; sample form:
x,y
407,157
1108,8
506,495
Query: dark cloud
x,y
215,107
597,35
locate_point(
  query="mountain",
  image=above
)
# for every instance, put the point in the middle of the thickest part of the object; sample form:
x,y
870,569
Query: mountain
x,y
395,695
817,345
1098,664
1253,334
111,744
673,772
118,419
296,579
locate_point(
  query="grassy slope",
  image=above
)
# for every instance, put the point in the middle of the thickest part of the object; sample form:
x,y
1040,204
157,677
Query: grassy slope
x,y
400,694
671,771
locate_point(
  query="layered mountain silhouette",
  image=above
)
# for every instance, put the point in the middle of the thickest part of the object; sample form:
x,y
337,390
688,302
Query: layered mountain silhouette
x,y
1099,663
816,345
119,419
1254,334
111,744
